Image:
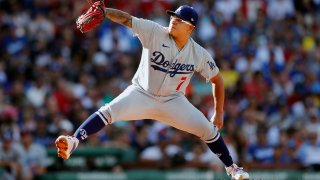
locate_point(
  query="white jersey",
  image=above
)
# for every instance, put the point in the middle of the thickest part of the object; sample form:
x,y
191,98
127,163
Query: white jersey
x,y
163,69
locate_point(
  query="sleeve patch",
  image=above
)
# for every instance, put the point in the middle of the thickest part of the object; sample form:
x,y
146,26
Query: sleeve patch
x,y
212,65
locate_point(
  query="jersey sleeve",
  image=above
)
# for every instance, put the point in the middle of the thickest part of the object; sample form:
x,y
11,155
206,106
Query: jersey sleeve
x,y
208,68
144,30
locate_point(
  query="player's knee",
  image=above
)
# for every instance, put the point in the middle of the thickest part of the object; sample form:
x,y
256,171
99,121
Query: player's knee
x,y
104,110
211,135
213,139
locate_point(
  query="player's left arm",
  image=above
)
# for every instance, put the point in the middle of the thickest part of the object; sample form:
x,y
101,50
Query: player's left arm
x,y
119,17
218,97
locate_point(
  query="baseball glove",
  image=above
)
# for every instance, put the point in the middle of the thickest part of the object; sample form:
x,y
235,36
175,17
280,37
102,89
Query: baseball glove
x,y
92,17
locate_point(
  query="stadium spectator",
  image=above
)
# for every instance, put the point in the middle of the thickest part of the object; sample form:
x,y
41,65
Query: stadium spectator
x,y
34,156
10,157
260,152
308,152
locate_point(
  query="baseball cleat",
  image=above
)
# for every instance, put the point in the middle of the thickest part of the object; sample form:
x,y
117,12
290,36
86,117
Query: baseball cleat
x,y
237,173
66,145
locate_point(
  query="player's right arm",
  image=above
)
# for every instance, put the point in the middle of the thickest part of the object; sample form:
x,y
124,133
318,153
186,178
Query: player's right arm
x,y
118,16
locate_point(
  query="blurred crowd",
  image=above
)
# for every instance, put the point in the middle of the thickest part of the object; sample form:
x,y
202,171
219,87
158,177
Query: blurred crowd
x,y
52,78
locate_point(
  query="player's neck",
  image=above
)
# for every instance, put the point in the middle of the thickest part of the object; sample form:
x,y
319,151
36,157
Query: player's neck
x,y
180,43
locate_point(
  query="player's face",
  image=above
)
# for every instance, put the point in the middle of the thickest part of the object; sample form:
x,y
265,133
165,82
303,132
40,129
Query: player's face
x,y
179,27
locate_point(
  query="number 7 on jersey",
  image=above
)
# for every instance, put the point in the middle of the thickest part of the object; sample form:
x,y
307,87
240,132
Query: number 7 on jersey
x,y
182,80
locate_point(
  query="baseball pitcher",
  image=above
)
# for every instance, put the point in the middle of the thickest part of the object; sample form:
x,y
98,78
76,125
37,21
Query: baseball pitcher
x,y
169,59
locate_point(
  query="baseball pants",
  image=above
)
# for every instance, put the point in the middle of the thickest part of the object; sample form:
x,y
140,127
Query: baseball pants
x,y
134,103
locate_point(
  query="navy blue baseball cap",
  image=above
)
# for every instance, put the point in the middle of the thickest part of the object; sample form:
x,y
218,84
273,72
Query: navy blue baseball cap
x,y
185,13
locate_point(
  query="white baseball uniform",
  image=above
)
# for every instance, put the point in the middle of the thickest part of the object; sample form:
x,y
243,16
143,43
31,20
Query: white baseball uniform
x,y
159,84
